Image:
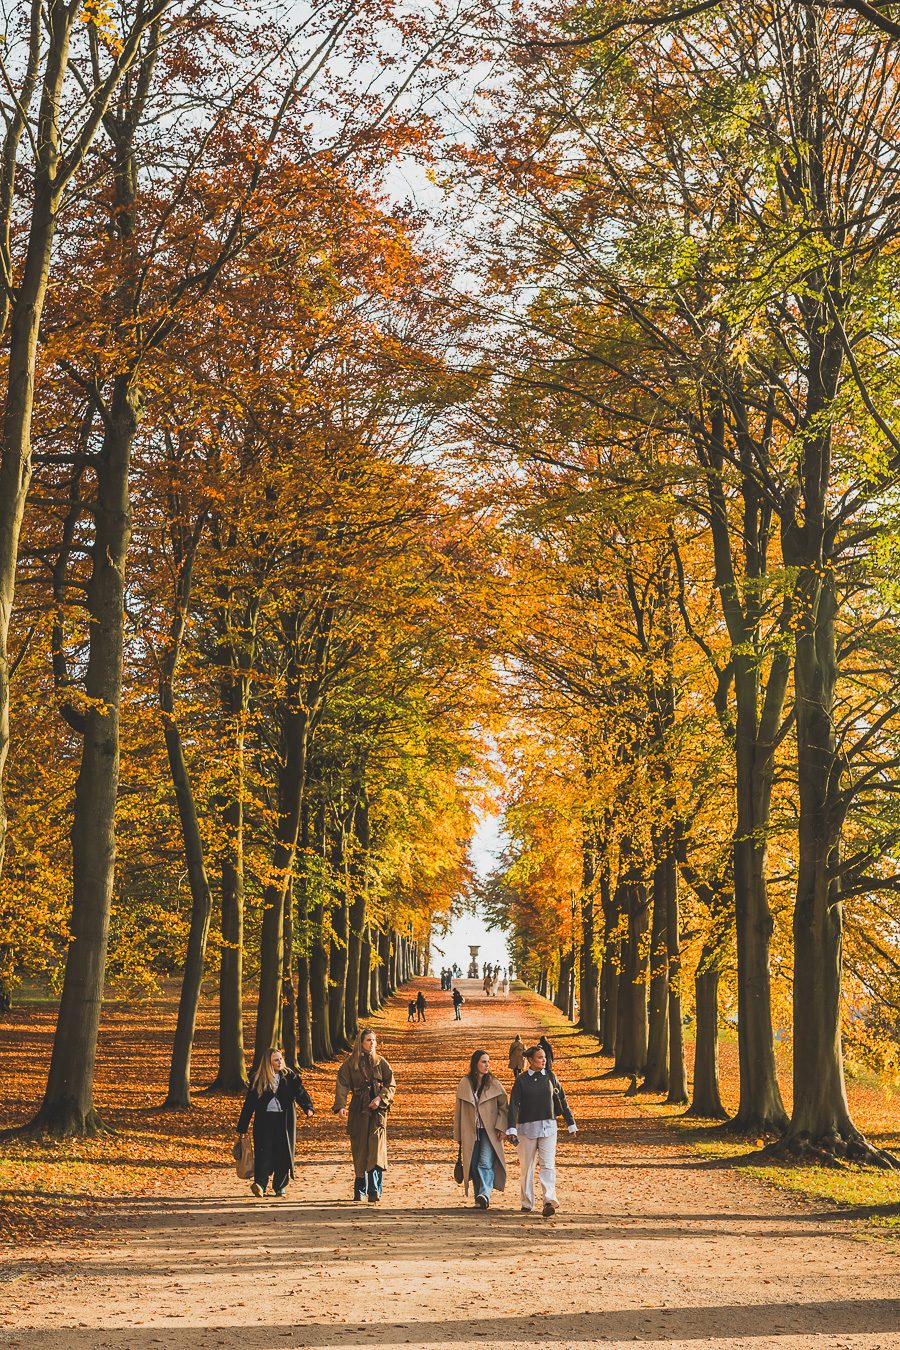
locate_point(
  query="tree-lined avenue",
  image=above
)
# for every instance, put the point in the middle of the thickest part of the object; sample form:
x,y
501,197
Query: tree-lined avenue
x,y
652,1245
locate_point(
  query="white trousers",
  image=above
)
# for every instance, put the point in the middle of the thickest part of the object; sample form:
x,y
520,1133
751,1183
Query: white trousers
x,y
544,1151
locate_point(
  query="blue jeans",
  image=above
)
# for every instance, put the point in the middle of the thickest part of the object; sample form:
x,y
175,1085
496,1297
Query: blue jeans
x,y
483,1160
370,1184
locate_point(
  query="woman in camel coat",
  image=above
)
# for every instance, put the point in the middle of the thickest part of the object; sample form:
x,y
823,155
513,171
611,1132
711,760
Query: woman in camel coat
x,y
369,1082
479,1126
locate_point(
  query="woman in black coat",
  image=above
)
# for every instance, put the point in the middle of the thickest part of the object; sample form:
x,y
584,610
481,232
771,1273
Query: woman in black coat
x,y
272,1104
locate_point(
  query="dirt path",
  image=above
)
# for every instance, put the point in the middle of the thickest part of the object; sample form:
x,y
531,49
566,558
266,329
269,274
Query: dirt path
x,y
652,1244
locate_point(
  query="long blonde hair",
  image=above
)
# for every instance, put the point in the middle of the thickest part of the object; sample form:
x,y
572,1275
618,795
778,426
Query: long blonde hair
x,y
264,1078
359,1056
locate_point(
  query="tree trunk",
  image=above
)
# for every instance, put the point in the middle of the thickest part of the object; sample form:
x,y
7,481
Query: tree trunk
x,y
356,981
68,1101
289,1037
185,542
760,1108
43,69
231,1076
707,1101
563,998
656,1076
179,1094
320,957
365,982
375,981
340,930
291,779
677,1094
305,1057
609,995
354,966
319,962
21,317
384,969
612,964
821,1115
631,1049
589,983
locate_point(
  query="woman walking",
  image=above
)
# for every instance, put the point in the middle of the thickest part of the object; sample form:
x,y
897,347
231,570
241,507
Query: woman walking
x,y
517,1056
369,1082
536,1097
272,1104
478,1127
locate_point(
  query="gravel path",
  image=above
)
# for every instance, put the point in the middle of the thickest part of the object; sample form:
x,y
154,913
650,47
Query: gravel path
x,y
652,1245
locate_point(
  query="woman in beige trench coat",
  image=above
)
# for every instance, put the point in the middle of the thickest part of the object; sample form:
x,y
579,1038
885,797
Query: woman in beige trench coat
x,y
479,1126
369,1082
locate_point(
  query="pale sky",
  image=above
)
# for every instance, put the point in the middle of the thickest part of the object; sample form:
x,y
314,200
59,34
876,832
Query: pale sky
x,y
469,928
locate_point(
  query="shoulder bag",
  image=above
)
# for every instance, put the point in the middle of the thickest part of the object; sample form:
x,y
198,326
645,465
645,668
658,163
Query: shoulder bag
x,y
243,1156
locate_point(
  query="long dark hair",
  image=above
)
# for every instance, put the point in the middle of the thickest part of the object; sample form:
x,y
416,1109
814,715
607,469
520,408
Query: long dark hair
x,y
473,1072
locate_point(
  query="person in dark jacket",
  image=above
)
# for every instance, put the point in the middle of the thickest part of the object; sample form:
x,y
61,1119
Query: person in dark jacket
x,y
547,1049
411,1010
536,1097
271,1104
458,1001
420,1006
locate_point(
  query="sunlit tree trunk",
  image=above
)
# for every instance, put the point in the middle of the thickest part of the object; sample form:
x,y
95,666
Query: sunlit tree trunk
x,y
656,1073
631,1034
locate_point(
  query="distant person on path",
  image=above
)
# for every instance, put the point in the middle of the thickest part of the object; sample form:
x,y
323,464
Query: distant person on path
x,y
421,1005
486,984
536,1097
411,1010
479,1123
271,1104
458,1001
548,1050
517,1056
369,1082
505,987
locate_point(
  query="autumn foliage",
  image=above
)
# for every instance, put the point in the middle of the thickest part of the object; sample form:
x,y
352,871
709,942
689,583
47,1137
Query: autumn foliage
x,y
379,444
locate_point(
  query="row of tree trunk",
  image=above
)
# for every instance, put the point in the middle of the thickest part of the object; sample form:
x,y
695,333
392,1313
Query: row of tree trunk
x,y
627,975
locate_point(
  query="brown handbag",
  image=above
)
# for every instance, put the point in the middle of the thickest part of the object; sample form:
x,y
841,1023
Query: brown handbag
x,y
458,1173
243,1157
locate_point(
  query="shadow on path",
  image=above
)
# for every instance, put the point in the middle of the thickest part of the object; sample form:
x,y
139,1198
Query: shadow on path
x,y
685,1324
